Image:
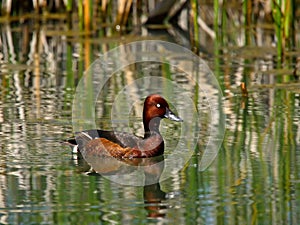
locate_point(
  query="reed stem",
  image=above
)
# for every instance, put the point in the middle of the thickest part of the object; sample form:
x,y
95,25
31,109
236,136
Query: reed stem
x,y
87,14
69,14
278,20
195,34
69,5
80,14
247,10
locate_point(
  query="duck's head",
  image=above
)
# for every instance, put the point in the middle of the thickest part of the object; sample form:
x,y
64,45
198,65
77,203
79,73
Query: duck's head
x,y
155,109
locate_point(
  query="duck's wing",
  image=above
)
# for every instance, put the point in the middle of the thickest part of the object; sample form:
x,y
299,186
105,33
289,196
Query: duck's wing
x,y
121,138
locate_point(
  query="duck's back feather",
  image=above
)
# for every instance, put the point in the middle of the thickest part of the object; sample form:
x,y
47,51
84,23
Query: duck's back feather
x,y
121,138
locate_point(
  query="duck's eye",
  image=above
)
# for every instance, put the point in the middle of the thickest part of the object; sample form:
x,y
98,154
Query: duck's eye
x,y
158,105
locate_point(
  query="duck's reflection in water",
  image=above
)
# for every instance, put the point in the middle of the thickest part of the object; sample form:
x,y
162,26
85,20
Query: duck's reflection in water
x,y
111,167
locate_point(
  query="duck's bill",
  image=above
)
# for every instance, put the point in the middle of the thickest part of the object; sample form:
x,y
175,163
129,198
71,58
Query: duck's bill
x,y
170,115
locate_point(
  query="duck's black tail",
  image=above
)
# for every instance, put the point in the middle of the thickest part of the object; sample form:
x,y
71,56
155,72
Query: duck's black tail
x,y
82,138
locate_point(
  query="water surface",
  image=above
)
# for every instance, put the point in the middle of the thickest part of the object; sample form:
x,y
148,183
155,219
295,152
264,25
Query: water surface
x,y
255,178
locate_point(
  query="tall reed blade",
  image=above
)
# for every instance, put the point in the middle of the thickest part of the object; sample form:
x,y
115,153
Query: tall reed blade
x,y
195,31
278,17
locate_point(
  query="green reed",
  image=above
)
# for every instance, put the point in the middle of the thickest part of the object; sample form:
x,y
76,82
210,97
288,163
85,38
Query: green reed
x,y
217,42
247,11
195,35
283,15
69,14
278,17
80,14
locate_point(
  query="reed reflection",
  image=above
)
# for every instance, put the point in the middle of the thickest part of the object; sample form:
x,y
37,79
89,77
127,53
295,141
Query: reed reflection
x,y
150,168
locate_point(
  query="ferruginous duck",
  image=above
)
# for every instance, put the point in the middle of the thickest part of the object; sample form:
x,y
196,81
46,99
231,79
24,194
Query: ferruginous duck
x,y
126,145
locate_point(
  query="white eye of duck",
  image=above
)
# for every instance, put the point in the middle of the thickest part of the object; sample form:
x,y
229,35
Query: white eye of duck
x,y
158,105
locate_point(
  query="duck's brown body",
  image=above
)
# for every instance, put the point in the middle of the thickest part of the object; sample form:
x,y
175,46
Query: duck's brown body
x,y
152,146
125,145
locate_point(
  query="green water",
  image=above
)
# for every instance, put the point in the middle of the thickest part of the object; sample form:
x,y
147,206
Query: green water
x,y
255,178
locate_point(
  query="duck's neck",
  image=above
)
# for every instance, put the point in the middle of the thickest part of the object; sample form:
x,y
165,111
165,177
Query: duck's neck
x,y
151,126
